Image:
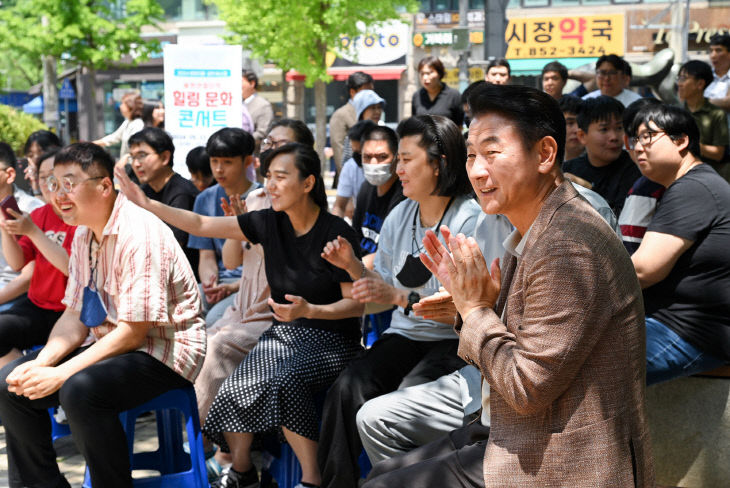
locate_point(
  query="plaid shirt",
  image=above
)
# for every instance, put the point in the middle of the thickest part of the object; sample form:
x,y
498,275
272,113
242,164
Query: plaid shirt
x,y
142,275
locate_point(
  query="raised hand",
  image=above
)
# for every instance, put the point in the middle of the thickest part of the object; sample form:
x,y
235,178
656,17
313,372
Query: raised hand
x,y
131,190
338,252
472,285
236,206
437,255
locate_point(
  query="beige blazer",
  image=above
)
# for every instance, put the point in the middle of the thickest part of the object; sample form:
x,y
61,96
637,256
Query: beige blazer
x,y
567,366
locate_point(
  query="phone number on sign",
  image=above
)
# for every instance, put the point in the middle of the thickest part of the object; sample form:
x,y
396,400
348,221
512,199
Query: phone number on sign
x,y
554,51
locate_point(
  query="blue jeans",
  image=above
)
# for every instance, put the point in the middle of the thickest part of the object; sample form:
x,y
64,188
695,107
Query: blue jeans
x,y
669,356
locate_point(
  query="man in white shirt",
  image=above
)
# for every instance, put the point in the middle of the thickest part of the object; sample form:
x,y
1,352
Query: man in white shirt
x,y
611,75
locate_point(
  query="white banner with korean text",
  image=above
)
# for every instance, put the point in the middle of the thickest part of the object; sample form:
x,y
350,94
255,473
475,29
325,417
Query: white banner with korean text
x,y
202,95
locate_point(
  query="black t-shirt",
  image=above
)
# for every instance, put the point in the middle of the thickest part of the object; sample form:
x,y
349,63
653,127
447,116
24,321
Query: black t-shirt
x,y
446,103
179,193
612,181
694,299
294,265
370,212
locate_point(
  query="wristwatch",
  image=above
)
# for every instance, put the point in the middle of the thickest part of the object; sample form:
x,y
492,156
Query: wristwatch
x,y
413,298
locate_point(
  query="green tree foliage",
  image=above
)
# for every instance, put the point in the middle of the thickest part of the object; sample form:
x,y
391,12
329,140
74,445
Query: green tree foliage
x,y
89,33
15,127
296,34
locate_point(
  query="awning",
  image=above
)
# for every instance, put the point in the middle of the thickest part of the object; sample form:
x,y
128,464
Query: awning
x,y
341,73
532,67
35,106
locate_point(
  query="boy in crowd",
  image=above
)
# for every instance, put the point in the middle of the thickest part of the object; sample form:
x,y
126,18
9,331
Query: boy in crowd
x,y
143,348
498,72
13,284
612,76
605,167
693,79
231,152
571,106
554,78
150,153
198,164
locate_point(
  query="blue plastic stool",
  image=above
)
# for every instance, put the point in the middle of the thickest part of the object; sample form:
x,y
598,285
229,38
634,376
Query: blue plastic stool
x,y
177,468
374,326
287,472
57,430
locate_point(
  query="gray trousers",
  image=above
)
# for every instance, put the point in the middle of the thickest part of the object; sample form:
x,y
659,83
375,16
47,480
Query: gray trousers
x,y
395,423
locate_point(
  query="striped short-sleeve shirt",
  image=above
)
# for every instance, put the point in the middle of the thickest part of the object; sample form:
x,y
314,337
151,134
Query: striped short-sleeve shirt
x,y
142,275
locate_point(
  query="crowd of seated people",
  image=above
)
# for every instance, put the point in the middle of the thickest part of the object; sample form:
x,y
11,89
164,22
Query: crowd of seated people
x,y
256,294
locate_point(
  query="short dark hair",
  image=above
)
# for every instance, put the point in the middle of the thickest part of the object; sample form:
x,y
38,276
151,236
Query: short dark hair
x,y
699,70
499,62
44,138
570,104
307,163
674,121
381,133
7,155
721,40
198,161
557,67
445,147
89,156
250,75
614,60
302,134
230,142
356,131
633,109
156,138
469,89
357,79
535,113
434,63
147,110
599,109
51,153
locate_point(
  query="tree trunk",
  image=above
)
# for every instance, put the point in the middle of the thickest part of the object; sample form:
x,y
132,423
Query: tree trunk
x,y
284,99
50,94
320,105
93,119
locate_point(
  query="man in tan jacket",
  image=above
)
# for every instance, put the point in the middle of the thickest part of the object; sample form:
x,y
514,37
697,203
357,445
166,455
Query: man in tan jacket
x,y
558,332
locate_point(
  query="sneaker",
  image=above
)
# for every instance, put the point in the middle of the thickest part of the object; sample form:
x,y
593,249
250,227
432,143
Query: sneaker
x,y
213,469
234,479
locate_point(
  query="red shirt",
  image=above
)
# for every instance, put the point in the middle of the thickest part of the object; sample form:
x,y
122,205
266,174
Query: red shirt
x,y
48,284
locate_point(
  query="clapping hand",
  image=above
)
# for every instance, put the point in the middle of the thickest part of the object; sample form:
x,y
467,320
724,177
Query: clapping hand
x,y
236,206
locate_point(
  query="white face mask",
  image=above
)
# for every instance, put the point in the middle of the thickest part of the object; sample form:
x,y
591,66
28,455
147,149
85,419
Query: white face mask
x,y
377,174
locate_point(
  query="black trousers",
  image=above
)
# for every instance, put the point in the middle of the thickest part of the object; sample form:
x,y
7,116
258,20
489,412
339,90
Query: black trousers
x,y
92,400
455,460
25,325
393,362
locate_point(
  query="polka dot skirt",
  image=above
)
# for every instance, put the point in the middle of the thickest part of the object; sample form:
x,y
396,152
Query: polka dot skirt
x,y
275,384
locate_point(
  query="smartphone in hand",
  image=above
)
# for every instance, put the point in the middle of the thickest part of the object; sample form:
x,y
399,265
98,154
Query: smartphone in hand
x,y
9,202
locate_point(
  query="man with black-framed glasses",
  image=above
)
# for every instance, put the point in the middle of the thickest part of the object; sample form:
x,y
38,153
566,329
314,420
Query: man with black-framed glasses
x,y
612,75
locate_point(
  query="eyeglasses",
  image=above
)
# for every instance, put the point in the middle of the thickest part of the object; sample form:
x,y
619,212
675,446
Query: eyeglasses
x,y
270,143
646,138
683,78
606,73
67,184
140,156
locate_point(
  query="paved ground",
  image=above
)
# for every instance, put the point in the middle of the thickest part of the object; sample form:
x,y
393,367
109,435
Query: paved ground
x,y
72,463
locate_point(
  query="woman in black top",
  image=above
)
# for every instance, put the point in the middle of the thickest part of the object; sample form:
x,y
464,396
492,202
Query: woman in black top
x,y
315,332
435,98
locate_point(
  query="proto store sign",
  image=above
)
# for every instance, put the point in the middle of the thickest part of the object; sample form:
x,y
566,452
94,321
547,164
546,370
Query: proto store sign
x,y
377,45
202,95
